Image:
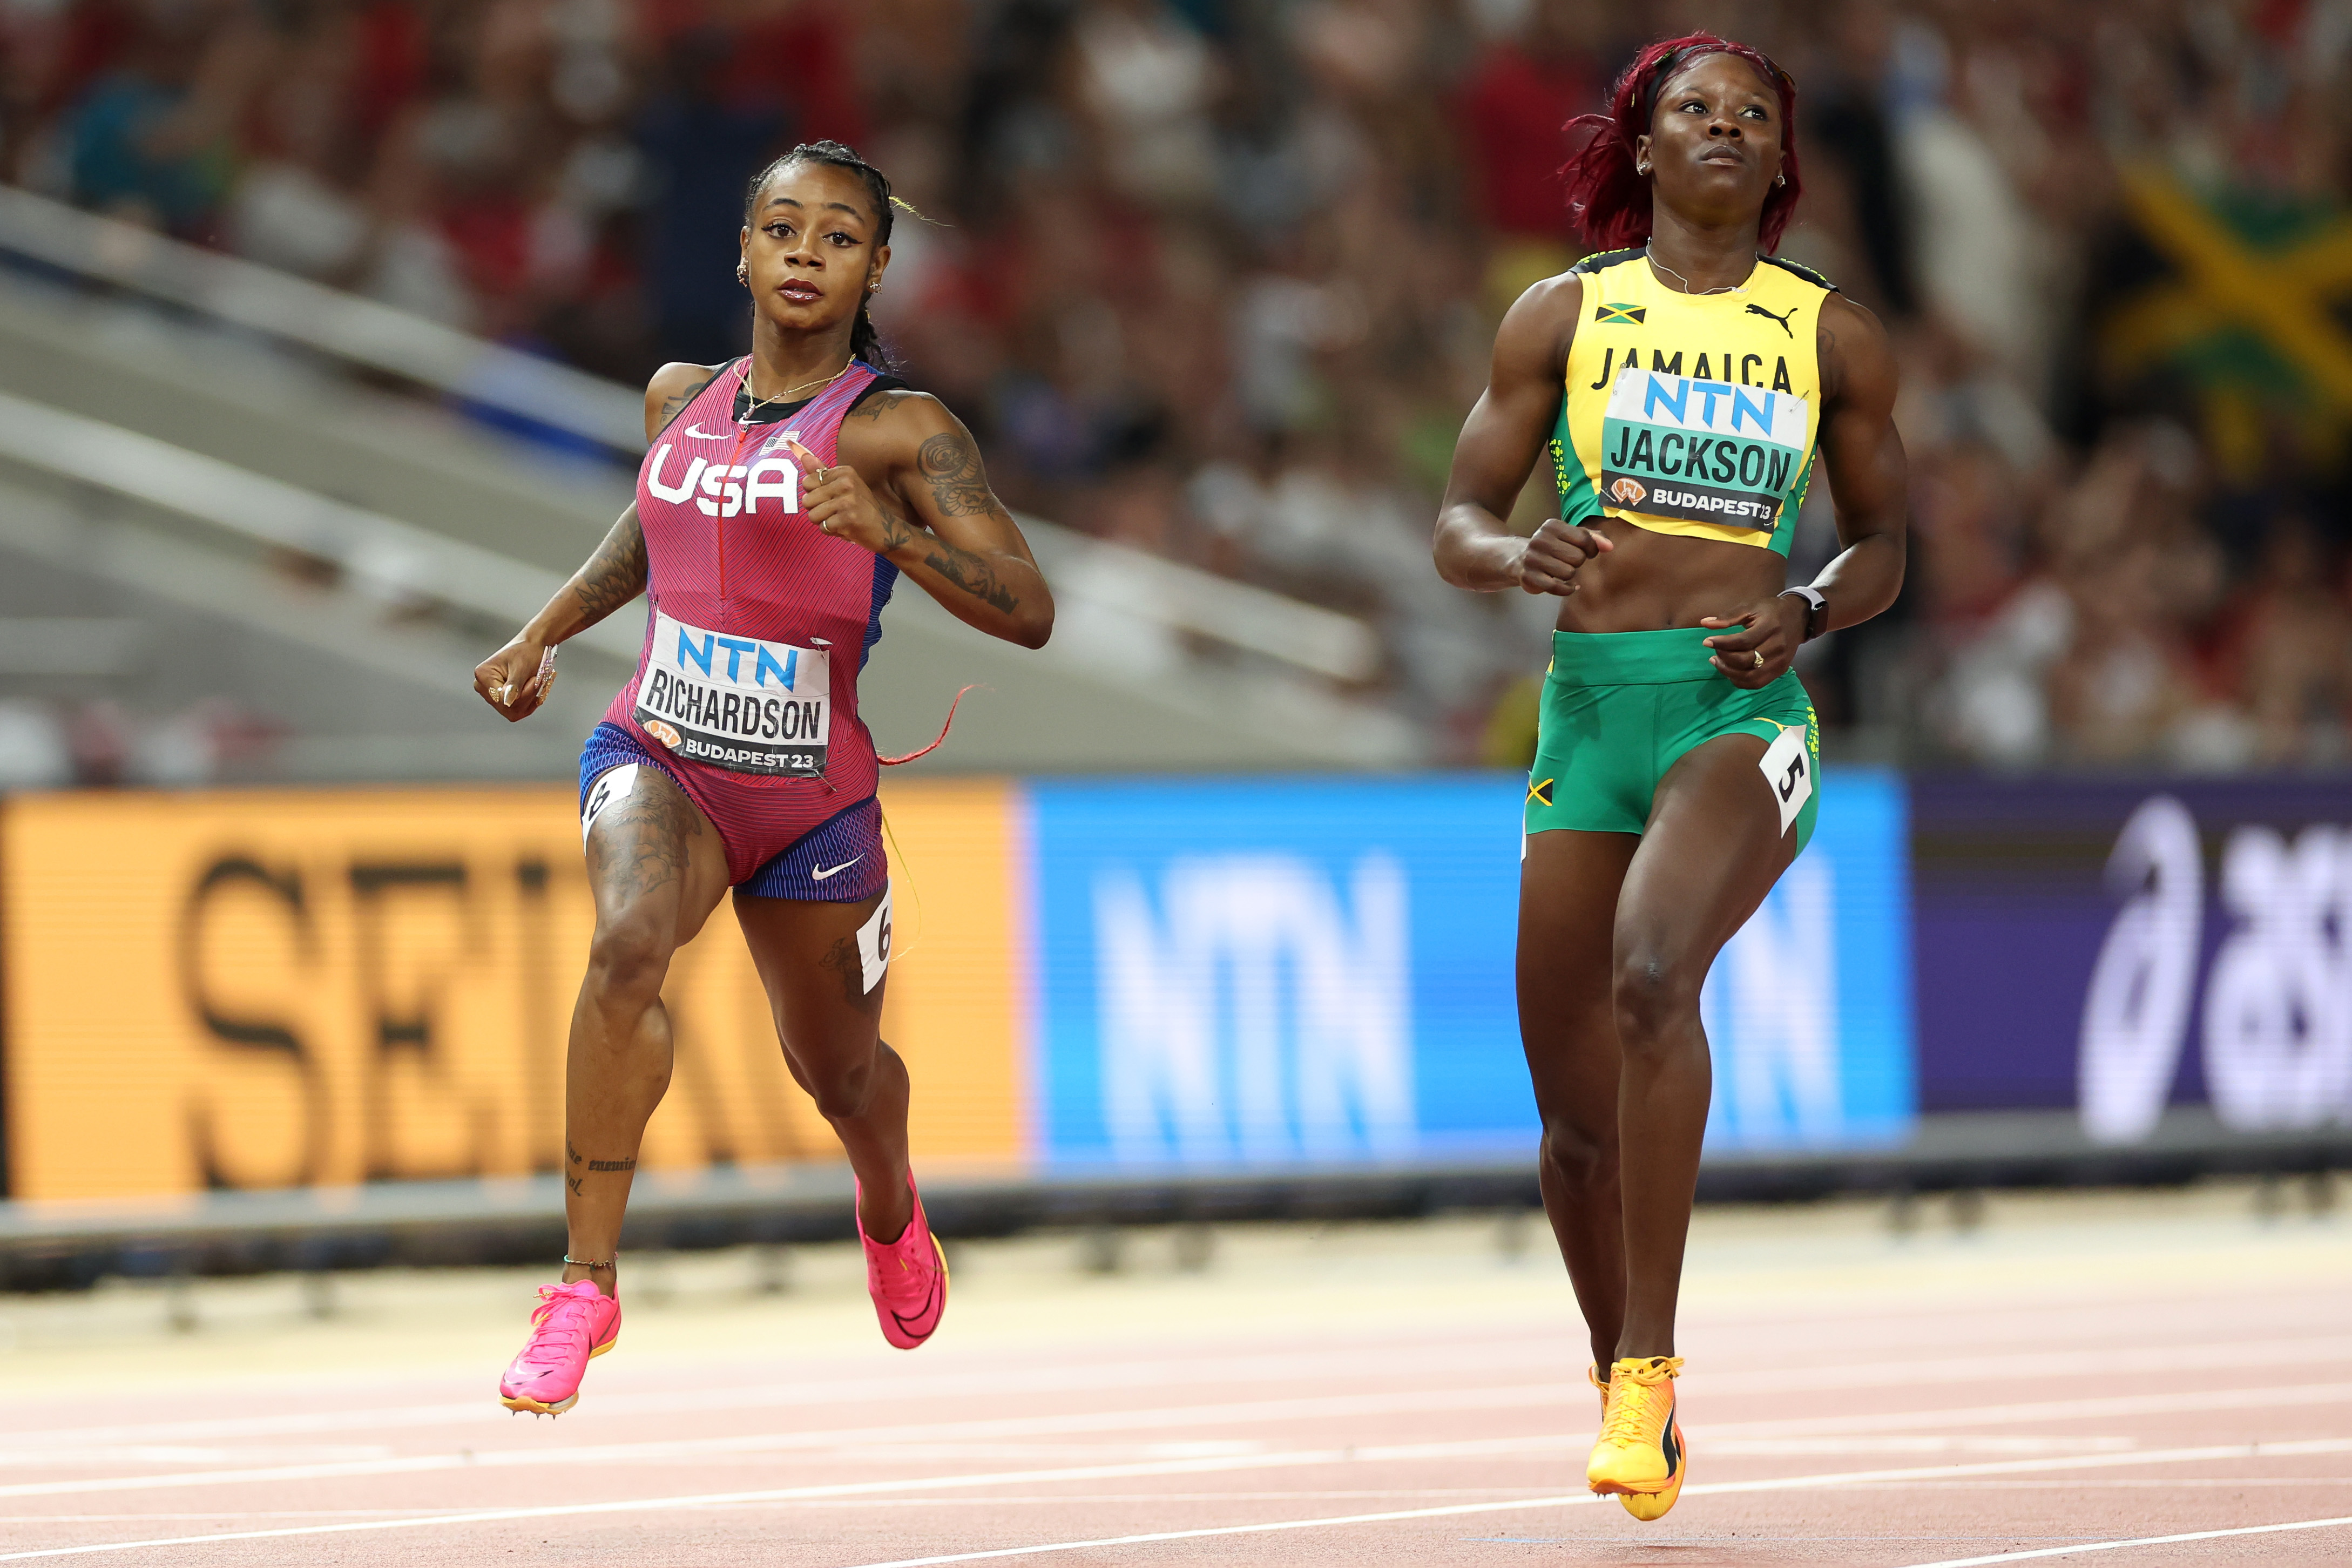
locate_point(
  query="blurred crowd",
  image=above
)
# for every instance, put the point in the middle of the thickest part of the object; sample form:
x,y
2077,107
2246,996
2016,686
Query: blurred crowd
x,y
1218,278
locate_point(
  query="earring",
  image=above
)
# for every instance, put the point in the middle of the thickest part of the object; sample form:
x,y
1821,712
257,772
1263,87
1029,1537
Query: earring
x,y
1780,179
1641,168
744,273
875,287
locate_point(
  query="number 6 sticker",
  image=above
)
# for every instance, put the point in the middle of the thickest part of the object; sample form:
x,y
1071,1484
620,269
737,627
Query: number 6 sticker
x,y
1788,767
873,944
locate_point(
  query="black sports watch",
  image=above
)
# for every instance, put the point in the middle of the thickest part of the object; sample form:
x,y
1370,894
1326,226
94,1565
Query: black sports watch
x,y
1817,610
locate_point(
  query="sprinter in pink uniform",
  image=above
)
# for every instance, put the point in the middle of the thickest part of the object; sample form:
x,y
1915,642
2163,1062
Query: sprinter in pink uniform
x,y
783,496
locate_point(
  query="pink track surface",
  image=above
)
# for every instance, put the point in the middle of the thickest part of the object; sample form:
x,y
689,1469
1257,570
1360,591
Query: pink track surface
x,y
2055,1390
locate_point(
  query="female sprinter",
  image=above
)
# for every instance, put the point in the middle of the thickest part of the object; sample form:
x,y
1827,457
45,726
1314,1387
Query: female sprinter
x,y
1685,379
784,494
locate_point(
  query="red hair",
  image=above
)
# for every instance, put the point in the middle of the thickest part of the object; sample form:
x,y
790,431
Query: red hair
x,y
1608,202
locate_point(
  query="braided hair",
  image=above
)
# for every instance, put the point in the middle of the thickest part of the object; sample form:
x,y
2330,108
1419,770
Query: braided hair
x,y
1608,201
864,343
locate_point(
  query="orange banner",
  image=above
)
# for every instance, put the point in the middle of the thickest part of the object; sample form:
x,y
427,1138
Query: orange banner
x,y
269,989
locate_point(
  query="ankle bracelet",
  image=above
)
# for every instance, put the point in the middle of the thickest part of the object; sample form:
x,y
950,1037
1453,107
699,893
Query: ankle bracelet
x,y
589,1262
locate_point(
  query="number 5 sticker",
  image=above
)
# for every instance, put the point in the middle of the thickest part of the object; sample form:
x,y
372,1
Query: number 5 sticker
x,y
1788,767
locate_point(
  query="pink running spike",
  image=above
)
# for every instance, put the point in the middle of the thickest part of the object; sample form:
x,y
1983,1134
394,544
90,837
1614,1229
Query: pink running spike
x,y
572,1325
908,1278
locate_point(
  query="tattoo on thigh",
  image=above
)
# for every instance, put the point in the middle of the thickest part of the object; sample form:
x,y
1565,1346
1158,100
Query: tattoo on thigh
x,y
644,844
569,1152
843,959
612,1164
574,1184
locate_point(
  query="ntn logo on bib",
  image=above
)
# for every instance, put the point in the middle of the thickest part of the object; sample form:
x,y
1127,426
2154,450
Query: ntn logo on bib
x,y
738,703
1708,451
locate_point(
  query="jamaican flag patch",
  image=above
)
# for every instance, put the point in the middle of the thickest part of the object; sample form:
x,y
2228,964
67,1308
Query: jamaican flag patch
x,y
1621,315
1540,792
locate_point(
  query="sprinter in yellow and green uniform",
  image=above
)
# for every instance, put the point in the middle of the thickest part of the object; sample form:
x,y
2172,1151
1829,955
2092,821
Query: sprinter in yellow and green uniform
x,y
1695,416
1688,380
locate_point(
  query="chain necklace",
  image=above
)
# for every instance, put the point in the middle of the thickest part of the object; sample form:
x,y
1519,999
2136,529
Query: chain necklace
x,y
754,402
1739,288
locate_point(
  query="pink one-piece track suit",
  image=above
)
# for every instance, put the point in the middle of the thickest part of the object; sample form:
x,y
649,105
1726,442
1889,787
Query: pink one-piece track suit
x,y
746,691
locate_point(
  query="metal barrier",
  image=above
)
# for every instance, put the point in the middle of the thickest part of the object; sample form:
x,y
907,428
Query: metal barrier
x,y
363,332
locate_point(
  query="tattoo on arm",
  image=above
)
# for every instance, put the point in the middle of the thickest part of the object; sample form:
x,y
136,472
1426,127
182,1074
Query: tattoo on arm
x,y
975,574
879,404
616,572
951,466
671,407
897,531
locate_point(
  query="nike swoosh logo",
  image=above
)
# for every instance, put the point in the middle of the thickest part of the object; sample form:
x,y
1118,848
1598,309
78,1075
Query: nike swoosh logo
x,y
930,1311
818,873
705,434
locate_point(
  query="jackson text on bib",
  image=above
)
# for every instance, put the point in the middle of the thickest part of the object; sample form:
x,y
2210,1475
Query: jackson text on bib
x,y
1706,451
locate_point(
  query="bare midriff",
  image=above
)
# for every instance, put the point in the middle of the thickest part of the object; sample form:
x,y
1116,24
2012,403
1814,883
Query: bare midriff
x,y
1655,581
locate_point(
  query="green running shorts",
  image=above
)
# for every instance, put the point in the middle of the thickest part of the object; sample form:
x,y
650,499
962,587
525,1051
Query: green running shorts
x,y
1621,708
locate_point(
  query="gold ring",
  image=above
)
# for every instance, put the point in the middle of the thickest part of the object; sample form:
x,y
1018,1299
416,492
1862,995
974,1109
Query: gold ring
x,y
1759,658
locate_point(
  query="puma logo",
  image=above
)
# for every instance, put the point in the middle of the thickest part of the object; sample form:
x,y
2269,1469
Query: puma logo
x,y
1780,322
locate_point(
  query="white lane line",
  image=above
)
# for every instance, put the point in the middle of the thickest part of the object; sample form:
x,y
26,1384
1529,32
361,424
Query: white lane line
x,y
1179,1417
1379,1358
1200,1466
866,1388
2039,1410
1175,1416
1785,1483
2140,1540
177,1454
885,1381
724,1499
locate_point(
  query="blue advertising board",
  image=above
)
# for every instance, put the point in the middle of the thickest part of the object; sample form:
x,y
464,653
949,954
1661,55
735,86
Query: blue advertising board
x,y
1808,1009
1246,973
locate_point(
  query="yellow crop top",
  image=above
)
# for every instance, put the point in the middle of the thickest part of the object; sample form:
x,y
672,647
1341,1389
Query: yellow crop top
x,y
1692,414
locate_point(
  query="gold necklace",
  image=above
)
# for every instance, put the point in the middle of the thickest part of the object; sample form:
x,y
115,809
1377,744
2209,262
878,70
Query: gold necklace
x,y
1739,288
758,402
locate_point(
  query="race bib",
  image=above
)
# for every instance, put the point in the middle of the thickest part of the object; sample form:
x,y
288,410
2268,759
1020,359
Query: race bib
x,y
1789,769
737,703
611,785
1705,451
873,944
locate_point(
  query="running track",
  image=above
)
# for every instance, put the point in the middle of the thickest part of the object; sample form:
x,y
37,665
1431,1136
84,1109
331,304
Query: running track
x,y
2140,1381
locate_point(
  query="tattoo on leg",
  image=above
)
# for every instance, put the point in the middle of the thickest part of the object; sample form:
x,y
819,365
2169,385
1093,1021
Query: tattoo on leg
x,y
612,1164
571,1152
843,960
645,847
574,1184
